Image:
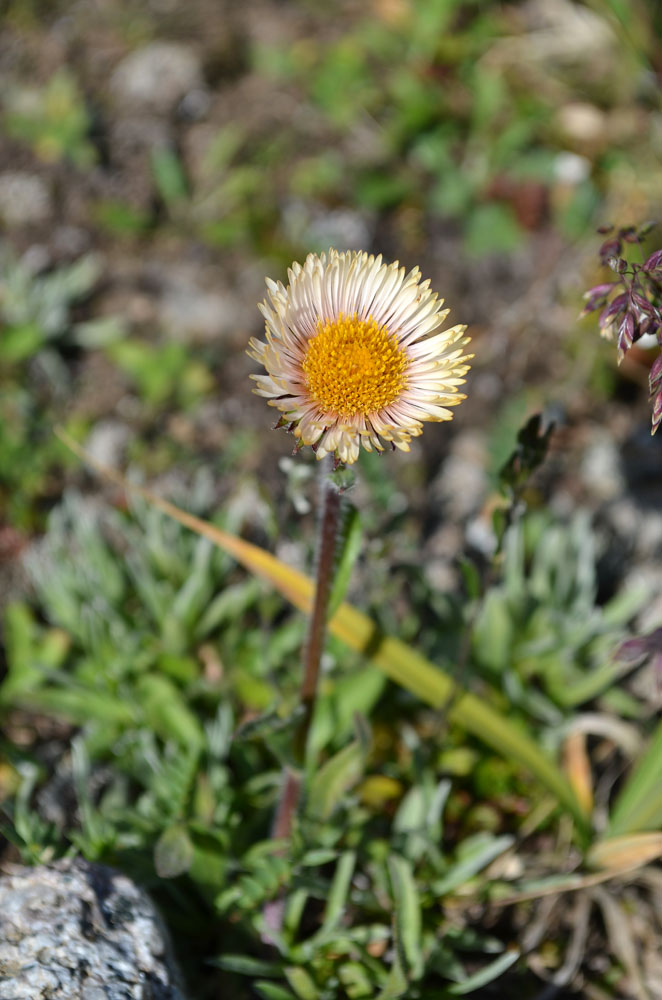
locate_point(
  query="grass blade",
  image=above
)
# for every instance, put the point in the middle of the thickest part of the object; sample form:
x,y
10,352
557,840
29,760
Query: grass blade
x,y
485,975
639,805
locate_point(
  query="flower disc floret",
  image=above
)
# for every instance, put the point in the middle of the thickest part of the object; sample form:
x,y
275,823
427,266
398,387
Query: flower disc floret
x,y
354,366
355,355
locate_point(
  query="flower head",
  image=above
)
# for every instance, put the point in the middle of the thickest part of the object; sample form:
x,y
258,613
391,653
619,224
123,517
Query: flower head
x,y
354,354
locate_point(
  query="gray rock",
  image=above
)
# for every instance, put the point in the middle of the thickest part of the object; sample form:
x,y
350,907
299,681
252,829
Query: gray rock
x,y
193,306
316,225
24,199
80,931
190,311
462,483
157,76
107,441
600,468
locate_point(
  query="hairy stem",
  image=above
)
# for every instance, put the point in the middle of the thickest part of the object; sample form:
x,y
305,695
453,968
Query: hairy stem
x,y
326,549
291,782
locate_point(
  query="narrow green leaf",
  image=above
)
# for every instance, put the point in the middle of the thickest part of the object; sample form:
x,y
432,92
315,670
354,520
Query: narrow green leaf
x,y
407,912
246,966
31,652
492,636
475,857
79,705
356,980
338,893
301,983
485,975
169,176
196,591
294,908
350,547
639,805
271,991
396,984
340,773
229,604
166,711
317,856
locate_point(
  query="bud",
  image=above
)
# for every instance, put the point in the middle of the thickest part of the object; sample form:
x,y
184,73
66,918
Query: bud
x,y
618,264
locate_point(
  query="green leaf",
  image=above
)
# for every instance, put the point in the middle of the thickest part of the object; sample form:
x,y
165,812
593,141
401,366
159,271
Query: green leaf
x,y
246,965
407,912
492,228
485,975
475,855
337,899
271,991
301,983
80,705
350,543
21,342
229,604
173,853
166,711
196,591
169,176
356,980
20,634
396,985
493,634
340,773
357,691
639,805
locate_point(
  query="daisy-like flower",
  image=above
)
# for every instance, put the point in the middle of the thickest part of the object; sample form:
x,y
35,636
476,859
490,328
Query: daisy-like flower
x,y
355,354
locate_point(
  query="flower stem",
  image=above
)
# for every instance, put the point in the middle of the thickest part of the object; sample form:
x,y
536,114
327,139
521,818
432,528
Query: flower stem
x,y
326,550
291,779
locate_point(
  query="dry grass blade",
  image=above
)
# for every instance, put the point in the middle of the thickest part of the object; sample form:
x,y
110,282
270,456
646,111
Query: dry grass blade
x,y
578,768
577,947
622,734
625,853
621,937
571,883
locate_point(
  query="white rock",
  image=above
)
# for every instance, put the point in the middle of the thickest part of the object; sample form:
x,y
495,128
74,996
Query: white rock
x,y
571,168
462,482
157,76
600,468
107,441
24,199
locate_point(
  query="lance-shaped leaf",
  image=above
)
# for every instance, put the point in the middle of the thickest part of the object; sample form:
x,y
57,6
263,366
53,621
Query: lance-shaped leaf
x,y
639,804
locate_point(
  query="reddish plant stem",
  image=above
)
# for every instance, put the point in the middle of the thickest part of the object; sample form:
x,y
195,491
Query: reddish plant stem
x,y
328,535
289,798
291,784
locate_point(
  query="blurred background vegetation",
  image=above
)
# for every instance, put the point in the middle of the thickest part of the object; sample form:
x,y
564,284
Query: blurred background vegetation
x,y
158,159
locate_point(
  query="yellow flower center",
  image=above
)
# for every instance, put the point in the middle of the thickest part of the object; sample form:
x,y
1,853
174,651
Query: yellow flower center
x,y
354,366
